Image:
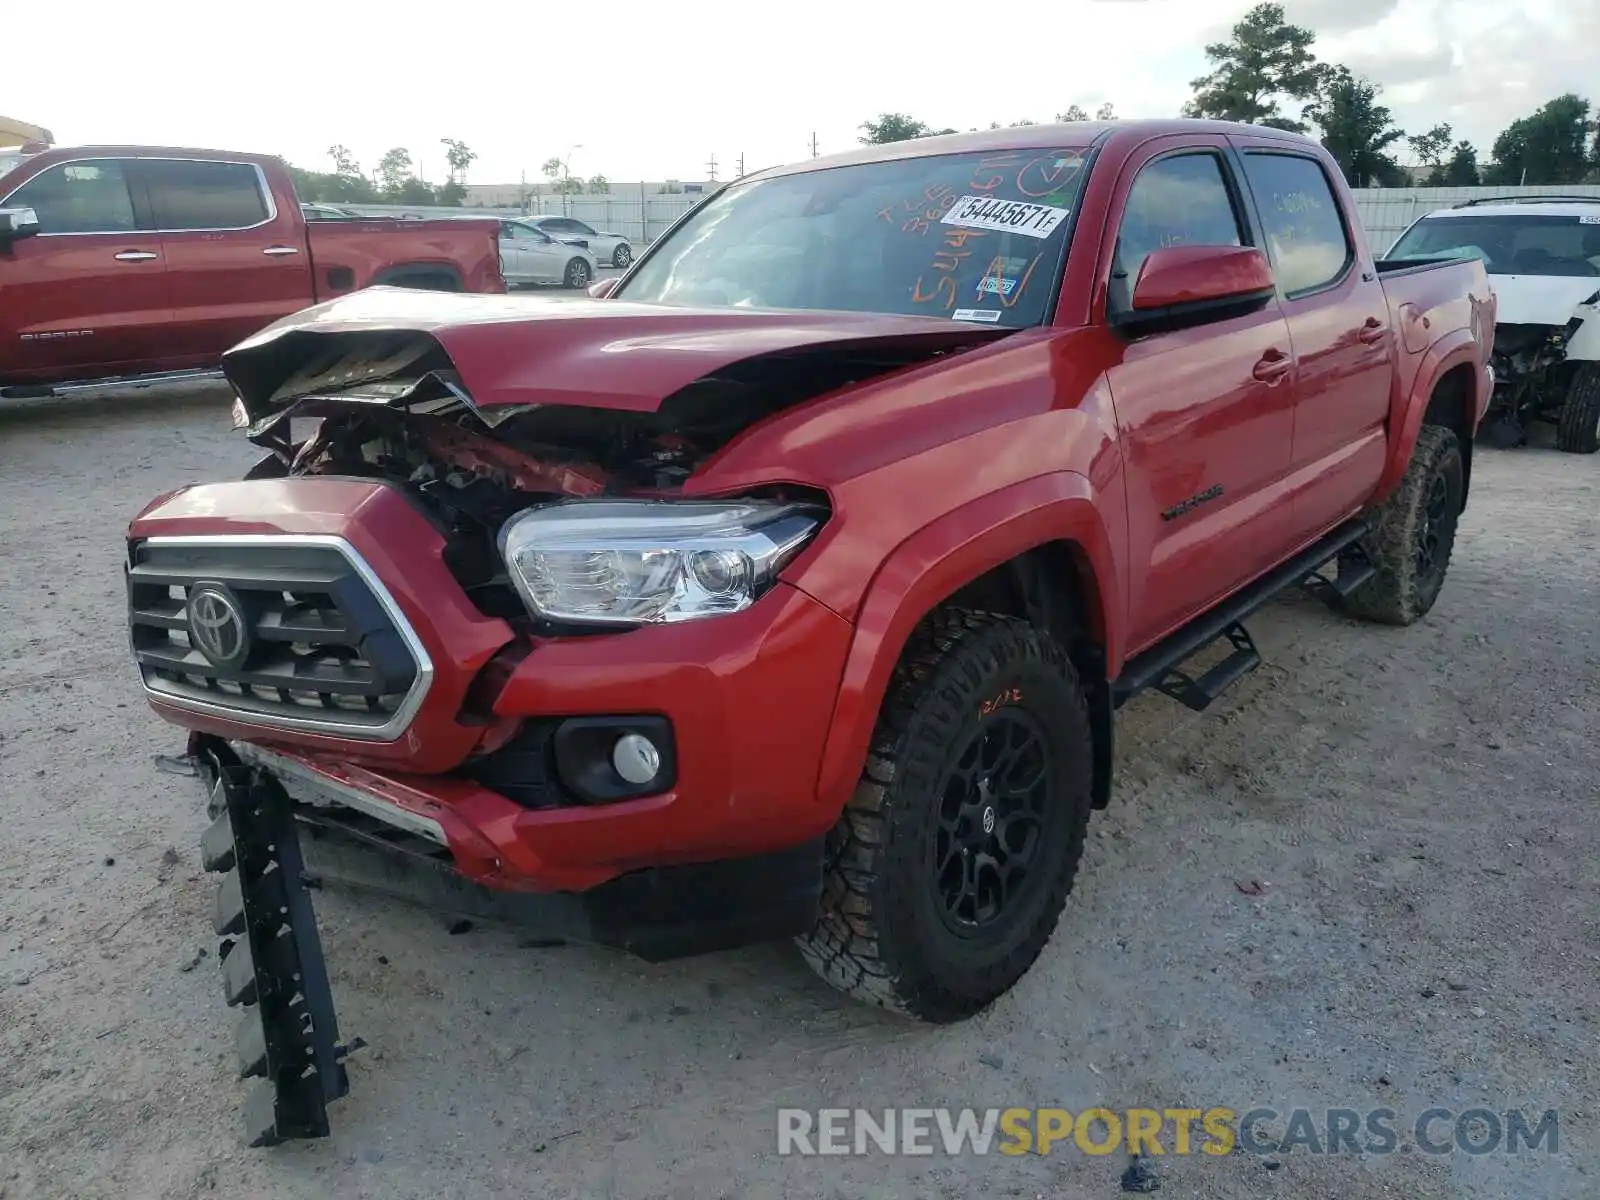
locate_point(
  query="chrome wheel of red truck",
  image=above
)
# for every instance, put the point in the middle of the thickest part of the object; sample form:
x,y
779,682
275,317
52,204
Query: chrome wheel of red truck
x,y
949,868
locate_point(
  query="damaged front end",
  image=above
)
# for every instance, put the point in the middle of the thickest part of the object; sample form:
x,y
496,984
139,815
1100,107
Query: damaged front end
x,y
1537,369
1531,374
442,444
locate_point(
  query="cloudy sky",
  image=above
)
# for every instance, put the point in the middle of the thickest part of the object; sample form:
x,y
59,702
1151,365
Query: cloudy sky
x,y
652,90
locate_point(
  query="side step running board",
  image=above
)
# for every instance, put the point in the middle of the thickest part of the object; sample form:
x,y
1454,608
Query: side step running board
x,y
1159,666
1199,693
45,391
272,964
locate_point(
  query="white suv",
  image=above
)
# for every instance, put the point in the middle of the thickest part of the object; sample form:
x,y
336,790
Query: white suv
x,y
1543,258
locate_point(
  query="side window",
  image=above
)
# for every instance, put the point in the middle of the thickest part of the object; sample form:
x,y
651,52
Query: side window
x,y
1309,243
1178,201
80,197
580,228
204,195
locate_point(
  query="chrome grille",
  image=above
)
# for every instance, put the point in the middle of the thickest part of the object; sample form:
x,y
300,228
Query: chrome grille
x,y
323,646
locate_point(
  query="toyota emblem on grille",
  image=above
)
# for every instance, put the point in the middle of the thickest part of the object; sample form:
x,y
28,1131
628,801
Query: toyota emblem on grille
x,y
216,625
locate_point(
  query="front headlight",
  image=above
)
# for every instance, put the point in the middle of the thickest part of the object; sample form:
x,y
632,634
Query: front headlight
x,y
636,562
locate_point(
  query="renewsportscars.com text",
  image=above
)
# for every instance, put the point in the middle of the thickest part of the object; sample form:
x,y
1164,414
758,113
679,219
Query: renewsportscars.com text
x,y
1162,1131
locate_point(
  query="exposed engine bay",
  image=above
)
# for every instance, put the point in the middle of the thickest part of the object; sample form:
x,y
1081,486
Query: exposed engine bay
x,y
1533,373
473,469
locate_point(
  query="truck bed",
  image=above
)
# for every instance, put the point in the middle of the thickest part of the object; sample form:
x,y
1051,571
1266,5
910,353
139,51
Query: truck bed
x,y
452,254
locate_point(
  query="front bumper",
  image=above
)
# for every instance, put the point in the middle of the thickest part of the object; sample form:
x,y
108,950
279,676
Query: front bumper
x,y
749,698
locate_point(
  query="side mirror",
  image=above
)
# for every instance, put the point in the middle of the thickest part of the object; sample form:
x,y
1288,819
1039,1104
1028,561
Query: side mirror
x,y
1189,285
17,223
601,288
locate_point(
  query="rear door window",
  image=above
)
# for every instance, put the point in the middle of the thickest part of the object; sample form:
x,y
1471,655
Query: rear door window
x,y
187,195
1311,249
79,197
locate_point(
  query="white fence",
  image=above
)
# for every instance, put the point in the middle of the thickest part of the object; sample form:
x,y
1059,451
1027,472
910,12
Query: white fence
x,y
644,215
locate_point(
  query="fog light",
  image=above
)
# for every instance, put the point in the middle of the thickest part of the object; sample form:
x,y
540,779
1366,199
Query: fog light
x,y
636,758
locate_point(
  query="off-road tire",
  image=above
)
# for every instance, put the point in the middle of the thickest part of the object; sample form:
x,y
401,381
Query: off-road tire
x,y
1402,592
1578,427
880,935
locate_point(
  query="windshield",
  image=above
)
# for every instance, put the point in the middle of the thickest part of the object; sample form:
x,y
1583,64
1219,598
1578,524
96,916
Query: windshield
x,y
1510,243
975,237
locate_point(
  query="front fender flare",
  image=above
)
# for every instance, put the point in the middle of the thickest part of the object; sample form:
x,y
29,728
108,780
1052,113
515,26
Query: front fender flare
x,y
1453,350
937,561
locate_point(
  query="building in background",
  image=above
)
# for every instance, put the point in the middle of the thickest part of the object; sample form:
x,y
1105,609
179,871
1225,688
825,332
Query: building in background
x,y
14,133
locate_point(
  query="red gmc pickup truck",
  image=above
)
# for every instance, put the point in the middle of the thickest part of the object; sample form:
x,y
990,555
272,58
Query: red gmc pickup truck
x,y
790,585
123,264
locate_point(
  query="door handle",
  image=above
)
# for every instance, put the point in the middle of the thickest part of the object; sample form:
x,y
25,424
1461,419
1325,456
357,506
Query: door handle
x,y
1272,366
135,256
1372,331
278,251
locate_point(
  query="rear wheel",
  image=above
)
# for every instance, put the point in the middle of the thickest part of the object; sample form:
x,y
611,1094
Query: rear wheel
x,y
1415,533
577,275
949,867
1578,426
622,256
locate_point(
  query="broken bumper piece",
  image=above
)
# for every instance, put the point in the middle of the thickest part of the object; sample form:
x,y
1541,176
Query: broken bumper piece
x,y
272,965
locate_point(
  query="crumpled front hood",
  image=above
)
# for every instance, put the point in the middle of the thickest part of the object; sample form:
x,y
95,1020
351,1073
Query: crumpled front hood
x,y
1540,299
526,351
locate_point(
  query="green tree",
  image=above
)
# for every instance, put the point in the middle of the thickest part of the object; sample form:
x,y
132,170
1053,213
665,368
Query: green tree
x,y
344,185
894,127
1074,113
1105,112
552,168
599,185
344,163
1356,129
416,191
1547,146
1431,147
1267,61
459,156
1460,171
394,169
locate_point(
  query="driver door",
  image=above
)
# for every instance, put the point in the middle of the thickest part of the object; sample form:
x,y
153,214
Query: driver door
x,y
1206,411
537,257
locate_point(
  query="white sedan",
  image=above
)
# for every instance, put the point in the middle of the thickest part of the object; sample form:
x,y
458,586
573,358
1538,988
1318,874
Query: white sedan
x,y
529,255
610,248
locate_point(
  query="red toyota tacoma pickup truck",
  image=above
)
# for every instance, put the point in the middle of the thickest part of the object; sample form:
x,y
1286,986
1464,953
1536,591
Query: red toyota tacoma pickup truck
x,y
122,264
789,586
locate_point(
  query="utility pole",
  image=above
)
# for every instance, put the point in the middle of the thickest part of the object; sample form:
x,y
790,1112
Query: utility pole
x,y
740,175
711,168
813,144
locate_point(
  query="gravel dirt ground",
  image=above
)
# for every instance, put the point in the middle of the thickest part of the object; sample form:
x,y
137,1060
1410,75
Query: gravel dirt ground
x,y
1418,806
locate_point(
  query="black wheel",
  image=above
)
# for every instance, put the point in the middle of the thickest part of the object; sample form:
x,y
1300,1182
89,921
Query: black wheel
x,y
1415,534
950,865
1578,427
577,274
622,256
